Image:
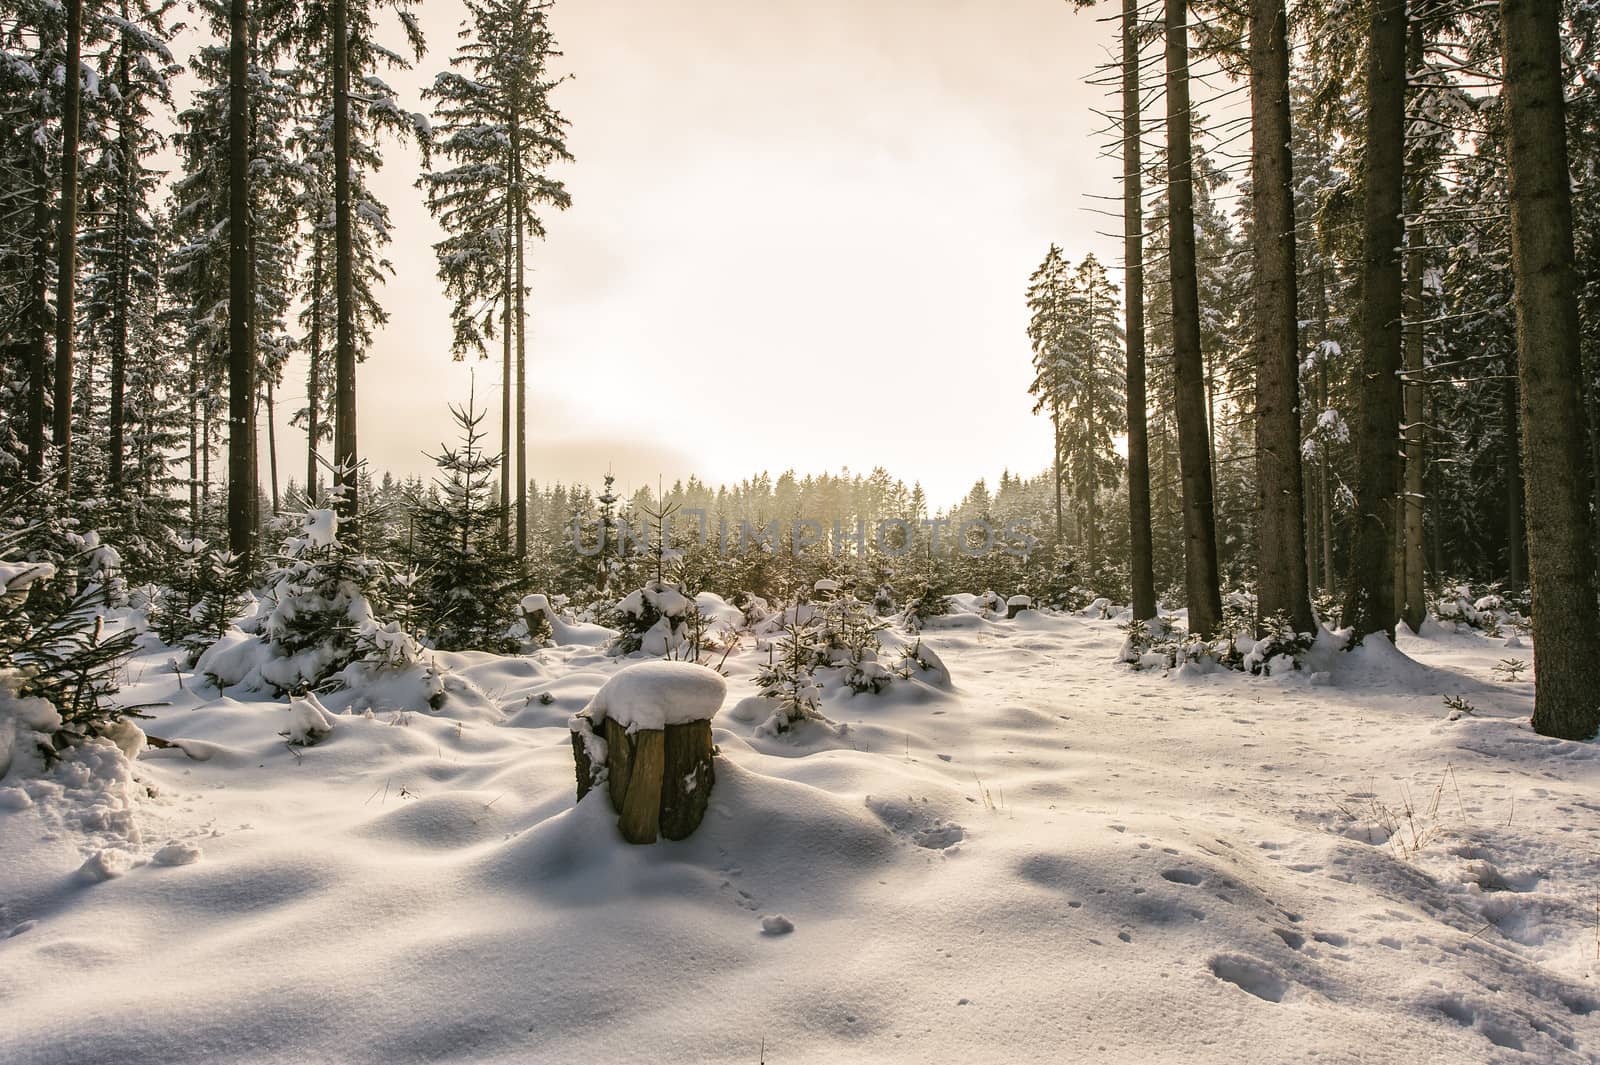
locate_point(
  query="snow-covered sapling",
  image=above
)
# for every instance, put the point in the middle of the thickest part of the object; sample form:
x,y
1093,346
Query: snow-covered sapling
x,y
789,675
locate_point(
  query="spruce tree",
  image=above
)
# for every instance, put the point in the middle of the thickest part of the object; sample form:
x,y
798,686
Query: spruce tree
x,y
469,585
1560,527
1199,517
496,124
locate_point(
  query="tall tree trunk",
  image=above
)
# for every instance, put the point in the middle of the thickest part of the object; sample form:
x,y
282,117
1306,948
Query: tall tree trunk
x,y
205,457
241,295
39,322
67,243
1140,544
1194,455
1370,605
1414,602
1410,594
1592,405
520,291
1560,530
1281,583
194,442
1055,436
1325,463
1090,490
122,284
1514,489
315,368
272,447
344,404
1431,479
506,384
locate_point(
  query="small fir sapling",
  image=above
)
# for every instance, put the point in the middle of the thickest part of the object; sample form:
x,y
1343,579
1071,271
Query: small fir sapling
x,y
58,666
849,640
928,598
1279,647
789,675
470,583
207,595
318,615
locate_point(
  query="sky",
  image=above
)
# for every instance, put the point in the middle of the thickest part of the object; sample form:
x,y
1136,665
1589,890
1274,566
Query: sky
x,y
800,238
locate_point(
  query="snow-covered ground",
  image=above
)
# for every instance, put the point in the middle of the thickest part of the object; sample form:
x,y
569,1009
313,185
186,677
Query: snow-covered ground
x,y
1052,859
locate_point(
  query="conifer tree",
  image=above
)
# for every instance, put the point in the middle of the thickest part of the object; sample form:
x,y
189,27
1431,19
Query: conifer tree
x,y
469,583
341,59
1048,291
1370,602
1281,584
497,125
1560,527
1199,517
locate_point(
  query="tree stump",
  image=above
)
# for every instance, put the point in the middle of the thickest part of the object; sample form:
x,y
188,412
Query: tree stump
x,y
646,736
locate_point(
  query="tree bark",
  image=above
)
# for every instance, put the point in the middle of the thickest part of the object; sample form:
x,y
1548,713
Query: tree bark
x,y
1324,464
122,283
1414,603
1055,436
522,376
1410,593
344,407
1370,605
272,447
67,244
1140,542
1281,583
38,341
194,443
1514,489
241,295
1560,531
314,369
1194,451
1090,480
505,394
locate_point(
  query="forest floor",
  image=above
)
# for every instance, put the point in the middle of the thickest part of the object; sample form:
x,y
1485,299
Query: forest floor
x,y
1050,859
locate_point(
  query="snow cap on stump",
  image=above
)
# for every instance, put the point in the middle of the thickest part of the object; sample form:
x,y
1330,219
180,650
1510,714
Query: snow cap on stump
x,y
653,695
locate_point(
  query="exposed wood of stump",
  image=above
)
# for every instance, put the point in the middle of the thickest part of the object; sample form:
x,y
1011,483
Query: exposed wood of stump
x,y
658,781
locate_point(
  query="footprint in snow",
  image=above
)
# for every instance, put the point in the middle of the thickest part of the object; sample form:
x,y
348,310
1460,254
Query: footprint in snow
x,y
913,821
1464,1015
1250,975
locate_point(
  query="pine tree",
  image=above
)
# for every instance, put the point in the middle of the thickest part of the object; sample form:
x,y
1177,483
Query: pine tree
x,y
497,125
31,49
1094,391
1141,543
1048,292
1199,519
1370,603
470,584
380,117
1281,584
122,248
1560,529
337,47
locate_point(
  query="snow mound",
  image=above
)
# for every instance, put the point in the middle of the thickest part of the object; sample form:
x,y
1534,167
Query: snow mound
x,y
309,720
578,633
177,853
107,864
776,925
653,695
